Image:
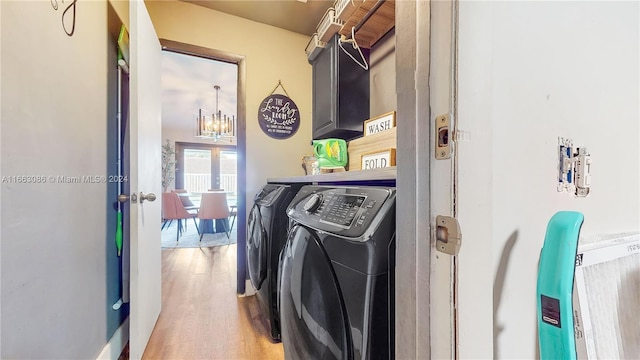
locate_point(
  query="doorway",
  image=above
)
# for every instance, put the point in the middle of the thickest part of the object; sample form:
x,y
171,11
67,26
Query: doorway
x,y
223,173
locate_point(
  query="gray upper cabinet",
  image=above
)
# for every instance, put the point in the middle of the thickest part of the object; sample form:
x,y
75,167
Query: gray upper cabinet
x,y
340,92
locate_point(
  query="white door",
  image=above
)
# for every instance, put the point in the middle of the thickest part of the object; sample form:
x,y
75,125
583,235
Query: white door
x,y
145,160
476,300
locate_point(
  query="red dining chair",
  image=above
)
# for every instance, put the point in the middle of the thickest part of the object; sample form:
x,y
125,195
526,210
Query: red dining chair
x,y
183,195
213,206
233,211
168,210
180,212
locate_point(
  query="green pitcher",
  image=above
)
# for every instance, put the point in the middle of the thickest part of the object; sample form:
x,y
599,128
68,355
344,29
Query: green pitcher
x,y
330,153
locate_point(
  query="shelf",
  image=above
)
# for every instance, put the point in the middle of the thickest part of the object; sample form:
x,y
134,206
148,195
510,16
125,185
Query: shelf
x,y
385,174
379,18
380,22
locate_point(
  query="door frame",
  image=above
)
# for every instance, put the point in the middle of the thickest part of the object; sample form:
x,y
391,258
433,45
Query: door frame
x,y
215,151
425,285
241,143
409,341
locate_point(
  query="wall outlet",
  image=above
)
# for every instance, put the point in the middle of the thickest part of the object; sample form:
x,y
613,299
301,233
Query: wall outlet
x,y
574,168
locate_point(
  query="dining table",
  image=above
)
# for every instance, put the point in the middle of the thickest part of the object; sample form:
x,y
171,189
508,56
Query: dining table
x,y
191,201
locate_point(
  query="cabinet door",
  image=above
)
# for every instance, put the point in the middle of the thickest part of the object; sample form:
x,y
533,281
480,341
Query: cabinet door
x,y
324,91
353,92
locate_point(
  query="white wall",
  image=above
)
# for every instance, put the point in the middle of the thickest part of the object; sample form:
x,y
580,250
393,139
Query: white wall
x,y
187,86
528,73
271,54
54,236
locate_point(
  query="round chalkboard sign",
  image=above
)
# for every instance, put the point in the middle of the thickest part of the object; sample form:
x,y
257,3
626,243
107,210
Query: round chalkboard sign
x,y
279,116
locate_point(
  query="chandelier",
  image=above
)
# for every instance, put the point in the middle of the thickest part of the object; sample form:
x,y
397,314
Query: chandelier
x,y
215,125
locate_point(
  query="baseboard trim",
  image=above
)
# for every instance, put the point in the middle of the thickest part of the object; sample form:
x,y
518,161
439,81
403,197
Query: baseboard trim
x,y
114,347
248,289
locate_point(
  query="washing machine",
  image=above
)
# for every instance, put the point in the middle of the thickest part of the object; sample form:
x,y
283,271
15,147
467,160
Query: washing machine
x,y
266,236
336,296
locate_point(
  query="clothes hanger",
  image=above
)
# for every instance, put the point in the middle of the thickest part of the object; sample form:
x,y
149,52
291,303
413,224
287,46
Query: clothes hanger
x,y
355,45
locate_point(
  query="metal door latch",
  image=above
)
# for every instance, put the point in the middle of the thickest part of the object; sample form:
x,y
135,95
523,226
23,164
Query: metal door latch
x,y
448,235
123,198
442,141
574,168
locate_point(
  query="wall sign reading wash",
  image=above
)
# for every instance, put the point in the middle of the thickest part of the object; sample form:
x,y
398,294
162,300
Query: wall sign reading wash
x,y
279,116
380,123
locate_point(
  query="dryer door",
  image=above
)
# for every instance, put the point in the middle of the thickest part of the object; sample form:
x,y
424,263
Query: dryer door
x,y
312,312
257,248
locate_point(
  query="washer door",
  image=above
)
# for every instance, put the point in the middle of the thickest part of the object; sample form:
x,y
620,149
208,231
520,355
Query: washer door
x,y
257,248
312,312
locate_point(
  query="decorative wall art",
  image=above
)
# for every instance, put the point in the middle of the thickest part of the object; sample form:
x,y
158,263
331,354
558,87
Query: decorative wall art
x,y
278,115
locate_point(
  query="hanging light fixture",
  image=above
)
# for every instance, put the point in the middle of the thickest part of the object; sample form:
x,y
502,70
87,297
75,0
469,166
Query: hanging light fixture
x,y
215,125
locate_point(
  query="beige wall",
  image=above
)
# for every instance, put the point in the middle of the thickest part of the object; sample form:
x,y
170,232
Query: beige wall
x,y
57,249
272,54
382,76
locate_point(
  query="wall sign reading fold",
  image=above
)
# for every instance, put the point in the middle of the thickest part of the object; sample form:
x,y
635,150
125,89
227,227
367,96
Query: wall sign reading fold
x,y
379,159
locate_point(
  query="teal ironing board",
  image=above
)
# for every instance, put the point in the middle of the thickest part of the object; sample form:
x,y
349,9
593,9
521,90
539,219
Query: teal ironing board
x,y
555,286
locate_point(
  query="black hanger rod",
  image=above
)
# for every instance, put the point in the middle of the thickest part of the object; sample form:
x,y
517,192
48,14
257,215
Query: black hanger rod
x,y
369,14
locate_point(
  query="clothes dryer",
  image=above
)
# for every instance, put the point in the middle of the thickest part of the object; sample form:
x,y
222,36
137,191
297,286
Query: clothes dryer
x,y
266,235
336,295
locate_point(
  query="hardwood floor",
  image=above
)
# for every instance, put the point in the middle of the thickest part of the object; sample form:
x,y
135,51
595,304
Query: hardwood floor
x,y
202,318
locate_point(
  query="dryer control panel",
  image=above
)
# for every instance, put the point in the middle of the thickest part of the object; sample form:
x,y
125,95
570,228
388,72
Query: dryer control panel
x,y
347,211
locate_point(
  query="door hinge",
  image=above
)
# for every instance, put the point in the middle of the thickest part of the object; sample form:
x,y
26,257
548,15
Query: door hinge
x,y
448,235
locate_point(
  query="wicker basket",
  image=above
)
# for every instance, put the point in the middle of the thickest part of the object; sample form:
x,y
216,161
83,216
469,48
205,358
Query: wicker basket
x,y
314,47
345,8
329,25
